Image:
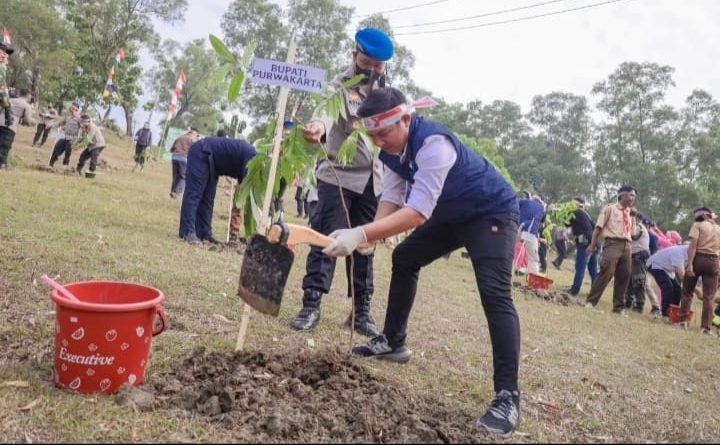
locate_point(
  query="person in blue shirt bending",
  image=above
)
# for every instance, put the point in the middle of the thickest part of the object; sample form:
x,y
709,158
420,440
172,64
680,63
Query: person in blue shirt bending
x,y
208,159
453,198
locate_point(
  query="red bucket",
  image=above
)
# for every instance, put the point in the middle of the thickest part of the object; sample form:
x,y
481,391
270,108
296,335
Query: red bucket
x,y
674,314
103,341
536,281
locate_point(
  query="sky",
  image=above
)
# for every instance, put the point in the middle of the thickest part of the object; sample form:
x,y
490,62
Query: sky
x,y
516,61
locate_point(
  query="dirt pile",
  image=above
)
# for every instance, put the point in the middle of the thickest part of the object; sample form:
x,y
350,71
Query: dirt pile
x,y
552,296
306,397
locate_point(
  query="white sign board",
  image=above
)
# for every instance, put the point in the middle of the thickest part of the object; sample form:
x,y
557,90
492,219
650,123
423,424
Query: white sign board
x,y
298,77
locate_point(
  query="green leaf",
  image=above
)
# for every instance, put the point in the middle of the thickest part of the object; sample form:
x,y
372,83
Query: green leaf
x,y
353,81
367,140
341,106
248,54
222,50
235,86
219,76
348,149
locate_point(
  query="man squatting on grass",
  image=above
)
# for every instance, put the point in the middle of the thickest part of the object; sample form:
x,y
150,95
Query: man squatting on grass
x,y
456,199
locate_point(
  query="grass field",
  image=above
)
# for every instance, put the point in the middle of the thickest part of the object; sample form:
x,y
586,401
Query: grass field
x,y
586,375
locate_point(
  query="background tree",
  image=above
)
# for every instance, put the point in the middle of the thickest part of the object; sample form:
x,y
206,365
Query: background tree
x,y
104,26
203,97
44,44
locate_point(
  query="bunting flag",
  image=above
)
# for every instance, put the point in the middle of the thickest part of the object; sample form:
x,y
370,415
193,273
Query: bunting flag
x,y
177,92
110,85
7,37
119,56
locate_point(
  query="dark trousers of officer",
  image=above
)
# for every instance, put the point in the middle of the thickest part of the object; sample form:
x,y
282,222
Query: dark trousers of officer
x,y
490,244
89,153
140,154
42,130
179,172
670,289
7,136
199,198
330,216
62,147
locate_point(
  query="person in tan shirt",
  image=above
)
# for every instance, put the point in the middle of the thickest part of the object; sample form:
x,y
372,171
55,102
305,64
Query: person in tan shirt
x,y
615,225
179,150
95,147
703,261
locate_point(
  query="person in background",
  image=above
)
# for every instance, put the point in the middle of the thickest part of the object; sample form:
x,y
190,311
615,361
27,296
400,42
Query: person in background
x,y
71,127
143,139
45,124
581,226
456,199
208,159
236,226
667,266
703,261
180,148
532,215
5,105
615,225
542,248
640,252
95,147
560,236
21,112
300,198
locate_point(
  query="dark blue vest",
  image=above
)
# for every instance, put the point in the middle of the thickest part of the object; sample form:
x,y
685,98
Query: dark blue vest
x,y
473,187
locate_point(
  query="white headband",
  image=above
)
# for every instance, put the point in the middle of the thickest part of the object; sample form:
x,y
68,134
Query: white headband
x,y
393,115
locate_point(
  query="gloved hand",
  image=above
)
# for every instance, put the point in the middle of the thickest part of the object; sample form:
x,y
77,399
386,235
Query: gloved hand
x,y
346,241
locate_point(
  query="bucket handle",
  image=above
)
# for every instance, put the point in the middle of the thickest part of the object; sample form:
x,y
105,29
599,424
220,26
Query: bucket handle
x,y
163,319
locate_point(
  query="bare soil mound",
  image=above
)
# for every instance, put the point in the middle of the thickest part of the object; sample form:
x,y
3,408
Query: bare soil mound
x,y
305,397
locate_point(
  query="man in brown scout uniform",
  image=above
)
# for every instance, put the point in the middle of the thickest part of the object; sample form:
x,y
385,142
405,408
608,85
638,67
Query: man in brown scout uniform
x,y
703,254
615,225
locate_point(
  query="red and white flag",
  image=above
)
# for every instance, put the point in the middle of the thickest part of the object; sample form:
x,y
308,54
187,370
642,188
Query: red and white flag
x,y
7,36
177,92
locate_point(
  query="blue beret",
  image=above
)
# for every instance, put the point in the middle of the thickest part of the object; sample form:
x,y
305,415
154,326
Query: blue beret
x,y
288,123
375,43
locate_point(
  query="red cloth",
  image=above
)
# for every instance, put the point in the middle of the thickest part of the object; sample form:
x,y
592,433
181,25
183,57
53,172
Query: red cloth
x,y
520,260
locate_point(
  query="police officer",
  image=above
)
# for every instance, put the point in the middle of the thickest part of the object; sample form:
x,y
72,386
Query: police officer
x,y
208,159
361,183
456,199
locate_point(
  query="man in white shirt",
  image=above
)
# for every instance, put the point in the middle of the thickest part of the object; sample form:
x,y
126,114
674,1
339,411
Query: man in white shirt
x,y
667,266
453,198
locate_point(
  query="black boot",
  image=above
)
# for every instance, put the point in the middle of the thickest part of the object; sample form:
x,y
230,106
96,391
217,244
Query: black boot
x,y
364,323
309,315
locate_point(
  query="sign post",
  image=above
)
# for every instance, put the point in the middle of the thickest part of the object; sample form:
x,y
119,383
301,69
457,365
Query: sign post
x,y
287,76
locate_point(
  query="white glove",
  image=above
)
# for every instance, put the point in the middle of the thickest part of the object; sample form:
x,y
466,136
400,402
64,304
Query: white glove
x,y
346,241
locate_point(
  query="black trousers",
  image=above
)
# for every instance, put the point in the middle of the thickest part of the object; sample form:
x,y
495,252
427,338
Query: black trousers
x,y
140,154
670,287
41,131
490,243
89,153
330,216
7,136
62,147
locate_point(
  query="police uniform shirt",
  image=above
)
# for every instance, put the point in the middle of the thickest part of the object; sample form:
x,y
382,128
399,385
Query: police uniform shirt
x,y
354,176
